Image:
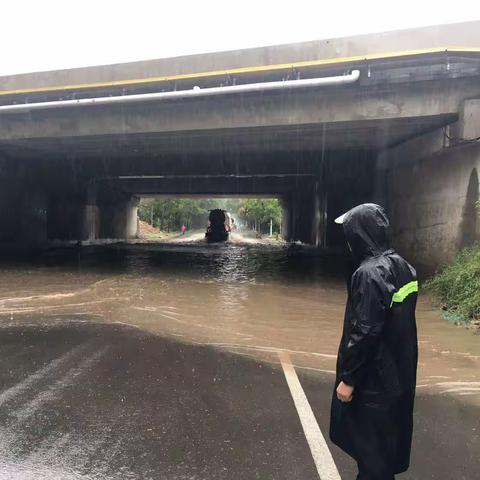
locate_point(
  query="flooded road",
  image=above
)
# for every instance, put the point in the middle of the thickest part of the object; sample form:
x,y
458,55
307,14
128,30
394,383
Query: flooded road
x,y
162,361
241,297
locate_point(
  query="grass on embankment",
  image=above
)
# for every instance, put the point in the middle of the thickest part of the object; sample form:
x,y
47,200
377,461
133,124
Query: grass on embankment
x,y
457,287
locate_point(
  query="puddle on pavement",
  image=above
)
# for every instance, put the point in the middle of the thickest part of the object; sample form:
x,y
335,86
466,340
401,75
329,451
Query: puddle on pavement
x,y
249,298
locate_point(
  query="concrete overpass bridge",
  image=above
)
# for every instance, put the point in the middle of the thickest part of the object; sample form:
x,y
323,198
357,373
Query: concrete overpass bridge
x,y
392,118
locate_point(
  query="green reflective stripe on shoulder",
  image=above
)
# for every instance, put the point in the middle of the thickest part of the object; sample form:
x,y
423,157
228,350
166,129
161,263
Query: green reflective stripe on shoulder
x,y
405,291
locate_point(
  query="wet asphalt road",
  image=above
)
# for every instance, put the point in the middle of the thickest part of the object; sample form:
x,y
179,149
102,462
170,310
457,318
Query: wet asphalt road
x,y
161,362
93,401
107,402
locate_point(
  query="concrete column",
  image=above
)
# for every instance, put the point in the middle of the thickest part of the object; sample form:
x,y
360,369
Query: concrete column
x,y
302,216
118,218
131,220
66,217
351,181
91,219
320,215
23,217
285,204
23,206
33,217
468,125
11,207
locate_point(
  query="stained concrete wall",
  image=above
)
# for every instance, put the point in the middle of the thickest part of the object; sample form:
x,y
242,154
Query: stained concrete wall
x,y
429,187
300,214
36,209
9,196
66,218
344,179
23,207
350,183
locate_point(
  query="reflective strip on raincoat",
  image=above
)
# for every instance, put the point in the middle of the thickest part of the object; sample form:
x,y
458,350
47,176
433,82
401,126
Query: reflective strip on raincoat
x,y
404,292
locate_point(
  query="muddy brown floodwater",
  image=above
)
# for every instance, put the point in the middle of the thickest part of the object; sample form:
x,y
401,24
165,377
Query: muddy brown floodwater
x,y
244,297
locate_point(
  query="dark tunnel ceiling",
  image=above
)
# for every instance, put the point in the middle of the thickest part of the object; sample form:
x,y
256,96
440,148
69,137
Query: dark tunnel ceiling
x,y
371,135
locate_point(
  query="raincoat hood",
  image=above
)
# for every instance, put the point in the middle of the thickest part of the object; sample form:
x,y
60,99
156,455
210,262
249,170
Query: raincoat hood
x,y
366,229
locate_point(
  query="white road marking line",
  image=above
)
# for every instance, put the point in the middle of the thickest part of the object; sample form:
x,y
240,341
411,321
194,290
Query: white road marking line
x,y
19,388
63,383
326,468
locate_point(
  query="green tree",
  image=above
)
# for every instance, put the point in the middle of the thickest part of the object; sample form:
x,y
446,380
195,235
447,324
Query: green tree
x,y
170,214
258,212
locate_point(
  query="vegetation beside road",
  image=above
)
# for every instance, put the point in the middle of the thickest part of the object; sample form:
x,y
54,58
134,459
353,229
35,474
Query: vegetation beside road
x,y
259,212
168,215
457,287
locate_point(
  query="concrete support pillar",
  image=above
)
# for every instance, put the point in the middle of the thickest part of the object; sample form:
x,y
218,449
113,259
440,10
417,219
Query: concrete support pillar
x,y
118,218
33,217
23,206
320,202
320,217
23,216
468,125
91,216
96,215
10,211
285,204
131,217
66,218
303,216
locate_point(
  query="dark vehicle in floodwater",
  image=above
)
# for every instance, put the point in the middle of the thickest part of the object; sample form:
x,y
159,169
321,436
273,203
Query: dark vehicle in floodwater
x,y
218,229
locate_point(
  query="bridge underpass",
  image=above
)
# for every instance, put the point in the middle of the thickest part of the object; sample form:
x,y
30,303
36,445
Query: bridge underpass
x,y
76,207
164,361
73,170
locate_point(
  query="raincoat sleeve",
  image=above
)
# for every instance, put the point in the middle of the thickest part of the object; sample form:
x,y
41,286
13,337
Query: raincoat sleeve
x,y
369,306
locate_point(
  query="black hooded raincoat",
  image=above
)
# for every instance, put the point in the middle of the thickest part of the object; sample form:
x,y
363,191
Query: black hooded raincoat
x,y
378,351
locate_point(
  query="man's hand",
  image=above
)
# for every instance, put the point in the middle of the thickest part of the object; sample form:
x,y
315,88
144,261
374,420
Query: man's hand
x,y
344,392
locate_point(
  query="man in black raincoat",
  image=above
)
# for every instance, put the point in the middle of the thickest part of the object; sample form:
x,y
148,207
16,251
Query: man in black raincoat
x,y
372,405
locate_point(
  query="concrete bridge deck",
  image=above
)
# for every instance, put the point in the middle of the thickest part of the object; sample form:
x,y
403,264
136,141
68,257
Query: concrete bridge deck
x,y
405,93
437,37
